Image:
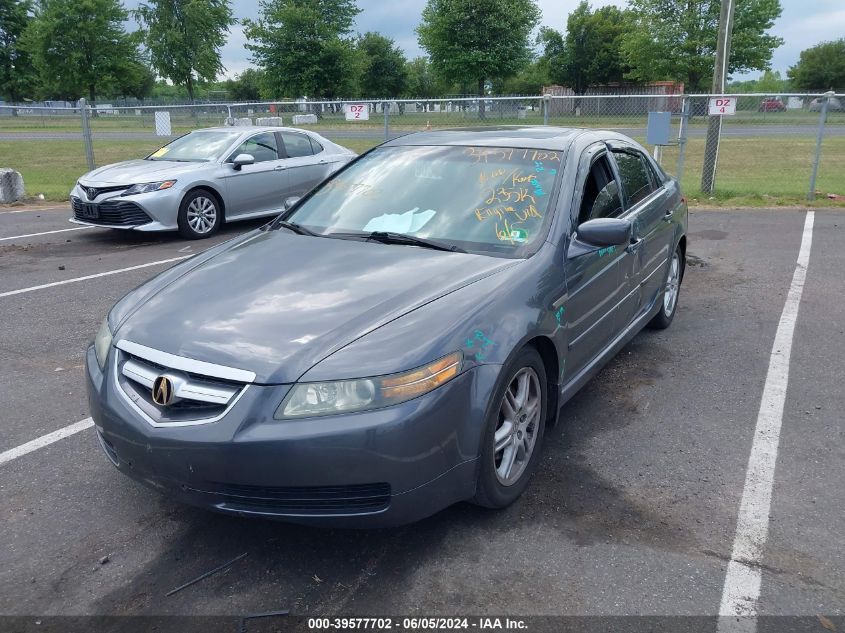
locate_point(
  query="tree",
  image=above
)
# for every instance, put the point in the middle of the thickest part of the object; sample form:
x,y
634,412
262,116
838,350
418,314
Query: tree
x,y
770,82
473,41
590,52
80,46
676,39
821,67
529,81
382,66
17,76
184,38
246,86
303,46
137,80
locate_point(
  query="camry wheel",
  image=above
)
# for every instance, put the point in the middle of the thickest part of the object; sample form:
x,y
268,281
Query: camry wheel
x,y
514,433
671,290
199,215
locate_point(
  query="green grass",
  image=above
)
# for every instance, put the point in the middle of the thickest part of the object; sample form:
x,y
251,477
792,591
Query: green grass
x,y
759,171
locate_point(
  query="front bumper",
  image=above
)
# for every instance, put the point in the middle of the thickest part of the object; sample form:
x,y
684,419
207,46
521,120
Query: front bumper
x,y
155,211
373,469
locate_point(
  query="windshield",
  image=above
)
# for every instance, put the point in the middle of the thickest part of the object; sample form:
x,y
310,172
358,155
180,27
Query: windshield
x,y
483,199
196,146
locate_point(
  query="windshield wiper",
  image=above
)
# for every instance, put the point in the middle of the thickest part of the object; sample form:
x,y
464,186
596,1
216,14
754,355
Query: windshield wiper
x,y
296,228
390,237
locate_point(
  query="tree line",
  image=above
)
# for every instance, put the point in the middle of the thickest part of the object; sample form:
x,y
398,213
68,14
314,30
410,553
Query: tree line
x,y
67,49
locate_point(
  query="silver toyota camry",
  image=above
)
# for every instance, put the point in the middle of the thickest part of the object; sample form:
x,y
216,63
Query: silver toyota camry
x,y
206,177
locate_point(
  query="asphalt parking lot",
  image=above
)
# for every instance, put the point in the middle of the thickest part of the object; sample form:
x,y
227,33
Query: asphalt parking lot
x,y
632,512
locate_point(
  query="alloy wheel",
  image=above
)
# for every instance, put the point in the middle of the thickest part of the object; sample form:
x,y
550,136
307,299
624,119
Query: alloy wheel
x,y
670,294
519,424
202,214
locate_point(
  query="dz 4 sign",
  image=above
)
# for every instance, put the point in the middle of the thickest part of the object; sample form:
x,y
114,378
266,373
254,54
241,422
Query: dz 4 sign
x,y
357,112
722,105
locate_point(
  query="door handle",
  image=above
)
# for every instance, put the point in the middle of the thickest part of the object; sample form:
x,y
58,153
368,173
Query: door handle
x,y
279,168
667,217
634,245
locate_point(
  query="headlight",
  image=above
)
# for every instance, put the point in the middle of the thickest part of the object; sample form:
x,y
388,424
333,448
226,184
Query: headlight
x,y
102,342
347,396
148,187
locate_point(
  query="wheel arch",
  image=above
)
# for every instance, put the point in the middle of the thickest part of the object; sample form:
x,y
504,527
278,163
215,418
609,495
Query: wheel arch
x,y
214,192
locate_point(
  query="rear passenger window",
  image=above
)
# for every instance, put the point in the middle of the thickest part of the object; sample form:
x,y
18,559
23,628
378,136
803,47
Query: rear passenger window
x,y
315,146
297,144
633,171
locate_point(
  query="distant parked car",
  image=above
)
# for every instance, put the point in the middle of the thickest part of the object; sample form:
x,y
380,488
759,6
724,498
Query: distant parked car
x,y
835,105
771,104
206,177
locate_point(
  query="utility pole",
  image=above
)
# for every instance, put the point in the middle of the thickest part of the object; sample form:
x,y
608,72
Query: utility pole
x,y
720,72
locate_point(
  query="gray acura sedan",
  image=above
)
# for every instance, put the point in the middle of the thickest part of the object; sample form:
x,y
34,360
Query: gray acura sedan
x,y
206,177
398,340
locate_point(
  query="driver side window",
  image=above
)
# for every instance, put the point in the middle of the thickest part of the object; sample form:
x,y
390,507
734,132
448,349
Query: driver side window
x,y
262,147
600,198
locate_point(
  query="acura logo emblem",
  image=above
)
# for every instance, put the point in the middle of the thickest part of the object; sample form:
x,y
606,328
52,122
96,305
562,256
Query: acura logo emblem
x,y
163,391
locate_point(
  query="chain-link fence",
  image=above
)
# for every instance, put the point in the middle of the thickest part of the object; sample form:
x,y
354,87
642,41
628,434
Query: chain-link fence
x,y
766,146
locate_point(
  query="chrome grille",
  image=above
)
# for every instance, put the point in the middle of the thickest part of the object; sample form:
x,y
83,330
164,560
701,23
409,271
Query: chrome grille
x,y
197,398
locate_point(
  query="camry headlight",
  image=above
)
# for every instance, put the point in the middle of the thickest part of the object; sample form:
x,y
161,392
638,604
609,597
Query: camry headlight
x,y
102,342
347,396
148,187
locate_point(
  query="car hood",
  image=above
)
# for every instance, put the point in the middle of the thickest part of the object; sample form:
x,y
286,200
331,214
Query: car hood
x,y
130,172
278,303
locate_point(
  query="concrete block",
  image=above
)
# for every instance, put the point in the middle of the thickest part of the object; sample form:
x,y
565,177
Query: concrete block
x,y
11,186
299,119
270,121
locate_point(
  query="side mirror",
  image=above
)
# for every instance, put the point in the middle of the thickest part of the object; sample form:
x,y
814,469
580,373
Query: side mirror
x,y
241,160
605,232
289,202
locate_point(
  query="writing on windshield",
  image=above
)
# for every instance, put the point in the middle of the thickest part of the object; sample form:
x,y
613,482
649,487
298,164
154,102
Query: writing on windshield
x,y
482,198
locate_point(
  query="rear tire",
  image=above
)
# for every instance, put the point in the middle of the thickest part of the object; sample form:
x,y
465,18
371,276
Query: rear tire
x,y
200,215
513,439
671,292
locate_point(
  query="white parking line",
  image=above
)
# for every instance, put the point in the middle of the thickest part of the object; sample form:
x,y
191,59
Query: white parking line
x,y
34,210
9,293
17,237
742,582
45,440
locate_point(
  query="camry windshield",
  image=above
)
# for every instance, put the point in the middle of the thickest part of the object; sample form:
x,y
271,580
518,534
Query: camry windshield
x,y
196,146
488,199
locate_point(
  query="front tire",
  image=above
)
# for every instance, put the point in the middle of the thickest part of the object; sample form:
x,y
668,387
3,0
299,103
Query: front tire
x,y
200,215
514,436
671,290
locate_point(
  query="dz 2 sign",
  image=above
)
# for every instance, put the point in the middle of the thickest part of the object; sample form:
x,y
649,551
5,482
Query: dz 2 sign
x,y
722,105
357,112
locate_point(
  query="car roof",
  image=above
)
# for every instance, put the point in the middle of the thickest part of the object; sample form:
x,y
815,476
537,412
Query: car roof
x,y
531,136
251,129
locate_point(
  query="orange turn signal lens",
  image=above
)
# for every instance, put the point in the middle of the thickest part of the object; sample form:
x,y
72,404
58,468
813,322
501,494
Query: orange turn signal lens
x,y
422,380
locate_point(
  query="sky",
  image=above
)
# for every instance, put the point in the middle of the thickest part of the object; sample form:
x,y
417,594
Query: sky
x,y
803,23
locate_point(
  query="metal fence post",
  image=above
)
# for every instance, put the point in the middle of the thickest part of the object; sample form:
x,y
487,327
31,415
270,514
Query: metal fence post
x,y
86,133
385,106
822,118
546,101
682,139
